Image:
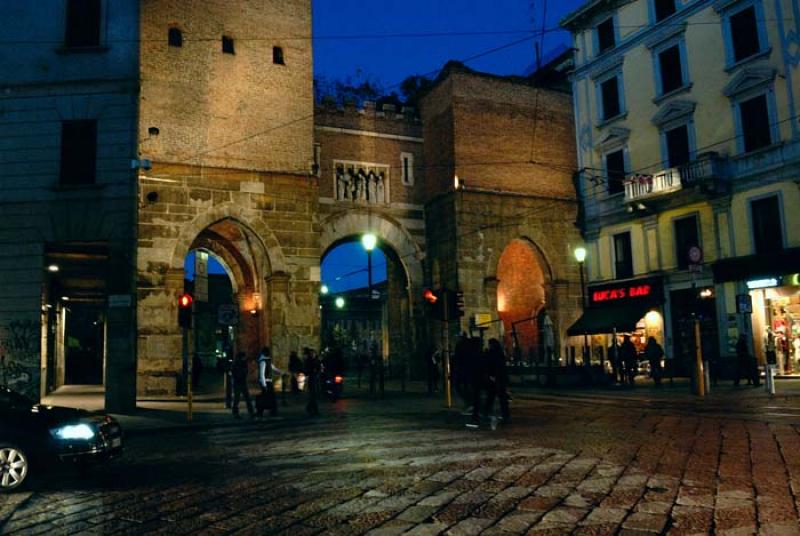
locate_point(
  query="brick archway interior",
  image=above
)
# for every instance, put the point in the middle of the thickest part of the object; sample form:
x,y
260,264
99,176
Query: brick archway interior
x,y
521,295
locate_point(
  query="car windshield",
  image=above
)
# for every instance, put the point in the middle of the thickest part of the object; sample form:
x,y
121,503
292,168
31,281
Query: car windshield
x,y
9,399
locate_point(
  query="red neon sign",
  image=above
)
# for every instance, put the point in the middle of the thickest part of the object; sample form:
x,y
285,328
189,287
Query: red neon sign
x,y
621,293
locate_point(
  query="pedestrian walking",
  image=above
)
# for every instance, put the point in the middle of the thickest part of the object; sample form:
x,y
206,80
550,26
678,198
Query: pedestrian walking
x,y
478,371
460,374
613,358
497,380
432,365
266,368
312,367
295,368
629,357
746,364
239,385
654,352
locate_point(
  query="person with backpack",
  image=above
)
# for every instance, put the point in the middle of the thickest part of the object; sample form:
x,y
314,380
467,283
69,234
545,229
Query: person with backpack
x,y
239,385
266,400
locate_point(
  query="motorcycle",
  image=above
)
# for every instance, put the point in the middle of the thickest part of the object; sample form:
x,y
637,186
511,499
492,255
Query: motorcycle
x,y
334,383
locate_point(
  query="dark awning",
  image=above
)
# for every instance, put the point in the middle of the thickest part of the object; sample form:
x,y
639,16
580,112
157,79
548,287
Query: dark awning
x,y
779,263
597,320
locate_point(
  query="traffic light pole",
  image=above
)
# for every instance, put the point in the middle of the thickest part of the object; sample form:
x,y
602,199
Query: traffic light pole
x,y
448,384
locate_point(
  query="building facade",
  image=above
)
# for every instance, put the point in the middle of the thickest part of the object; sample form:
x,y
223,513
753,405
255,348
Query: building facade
x,y
689,150
68,128
501,209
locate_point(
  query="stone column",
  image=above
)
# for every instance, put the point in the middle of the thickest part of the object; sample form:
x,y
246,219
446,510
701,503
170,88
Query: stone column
x,y
277,302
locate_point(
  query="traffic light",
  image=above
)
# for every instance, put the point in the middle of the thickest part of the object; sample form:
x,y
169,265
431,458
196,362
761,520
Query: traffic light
x,y
185,311
433,303
455,304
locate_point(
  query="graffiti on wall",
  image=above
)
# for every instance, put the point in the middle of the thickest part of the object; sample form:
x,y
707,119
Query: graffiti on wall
x,y
19,356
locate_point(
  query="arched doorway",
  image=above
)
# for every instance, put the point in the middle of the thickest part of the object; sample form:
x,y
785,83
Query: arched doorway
x,y
366,306
523,293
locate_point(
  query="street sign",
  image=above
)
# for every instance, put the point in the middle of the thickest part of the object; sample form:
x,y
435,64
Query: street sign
x,y
119,300
227,314
744,304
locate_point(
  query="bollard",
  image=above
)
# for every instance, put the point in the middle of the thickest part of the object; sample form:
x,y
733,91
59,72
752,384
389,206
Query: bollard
x,y
770,379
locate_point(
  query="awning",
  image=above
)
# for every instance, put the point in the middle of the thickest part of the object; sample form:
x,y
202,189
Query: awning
x,y
779,263
597,320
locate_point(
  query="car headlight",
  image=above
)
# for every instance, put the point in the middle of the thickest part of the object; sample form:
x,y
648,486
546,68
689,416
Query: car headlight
x,y
74,431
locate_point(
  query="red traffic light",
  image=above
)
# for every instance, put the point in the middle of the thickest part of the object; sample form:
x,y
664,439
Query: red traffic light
x,y
429,296
185,301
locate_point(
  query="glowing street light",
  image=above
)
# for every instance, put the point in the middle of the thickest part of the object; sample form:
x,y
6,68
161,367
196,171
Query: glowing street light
x,y
324,290
580,256
339,302
369,241
53,268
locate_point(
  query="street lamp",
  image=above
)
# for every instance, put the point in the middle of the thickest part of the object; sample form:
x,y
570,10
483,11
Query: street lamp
x,y
369,241
340,302
324,290
580,256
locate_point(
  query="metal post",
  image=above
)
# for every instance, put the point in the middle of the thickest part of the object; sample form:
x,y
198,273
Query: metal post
x,y
699,375
586,358
446,328
188,368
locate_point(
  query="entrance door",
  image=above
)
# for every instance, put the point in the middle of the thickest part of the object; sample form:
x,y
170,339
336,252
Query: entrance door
x,y
84,341
684,305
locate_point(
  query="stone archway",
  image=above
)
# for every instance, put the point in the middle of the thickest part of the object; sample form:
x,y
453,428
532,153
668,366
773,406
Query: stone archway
x,y
524,291
404,274
256,265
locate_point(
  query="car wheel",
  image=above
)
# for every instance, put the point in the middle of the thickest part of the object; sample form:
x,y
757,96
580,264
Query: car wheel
x,y
14,466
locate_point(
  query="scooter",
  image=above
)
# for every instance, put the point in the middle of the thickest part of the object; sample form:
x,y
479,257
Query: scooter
x,y
334,383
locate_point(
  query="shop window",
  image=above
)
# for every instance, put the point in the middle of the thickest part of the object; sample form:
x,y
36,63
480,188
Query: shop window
x,y
78,152
82,23
227,45
671,69
615,171
277,56
606,38
175,37
754,115
744,34
623,257
687,235
664,9
609,95
765,216
677,144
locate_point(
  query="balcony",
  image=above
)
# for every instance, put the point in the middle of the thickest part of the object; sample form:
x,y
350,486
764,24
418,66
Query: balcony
x,y
705,171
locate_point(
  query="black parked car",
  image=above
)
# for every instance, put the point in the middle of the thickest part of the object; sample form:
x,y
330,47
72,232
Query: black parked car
x,y
32,435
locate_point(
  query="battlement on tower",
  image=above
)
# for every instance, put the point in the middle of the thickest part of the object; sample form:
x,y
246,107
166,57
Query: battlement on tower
x,y
371,116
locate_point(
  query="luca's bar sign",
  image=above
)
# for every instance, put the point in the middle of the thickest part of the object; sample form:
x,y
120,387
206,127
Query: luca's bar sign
x,y
634,291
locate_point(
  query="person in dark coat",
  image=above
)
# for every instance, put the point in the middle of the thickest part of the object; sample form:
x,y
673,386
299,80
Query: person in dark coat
x,y
477,370
654,352
629,358
295,368
497,379
312,368
432,367
745,367
239,385
460,375
616,368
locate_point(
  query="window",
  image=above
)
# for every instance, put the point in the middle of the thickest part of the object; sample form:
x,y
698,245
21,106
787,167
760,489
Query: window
x,y
407,168
670,68
82,23
686,237
677,144
277,56
605,35
623,259
755,127
615,170
78,152
227,45
766,221
175,37
744,34
663,9
609,94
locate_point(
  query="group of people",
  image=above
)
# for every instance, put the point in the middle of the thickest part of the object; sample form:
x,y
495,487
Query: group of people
x,y
266,401
624,359
478,371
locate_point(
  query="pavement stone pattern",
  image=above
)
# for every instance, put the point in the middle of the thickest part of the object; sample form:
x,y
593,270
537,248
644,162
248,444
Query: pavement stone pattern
x,y
408,467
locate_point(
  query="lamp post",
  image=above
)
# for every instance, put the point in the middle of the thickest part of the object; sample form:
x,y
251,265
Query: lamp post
x,y
369,241
580,256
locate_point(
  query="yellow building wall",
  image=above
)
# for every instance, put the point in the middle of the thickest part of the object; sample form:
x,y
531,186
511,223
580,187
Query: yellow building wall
x,y
605,248
667,233
740,212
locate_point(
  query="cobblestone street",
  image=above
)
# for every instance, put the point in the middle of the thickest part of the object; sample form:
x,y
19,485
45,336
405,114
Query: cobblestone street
x,y
407,465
